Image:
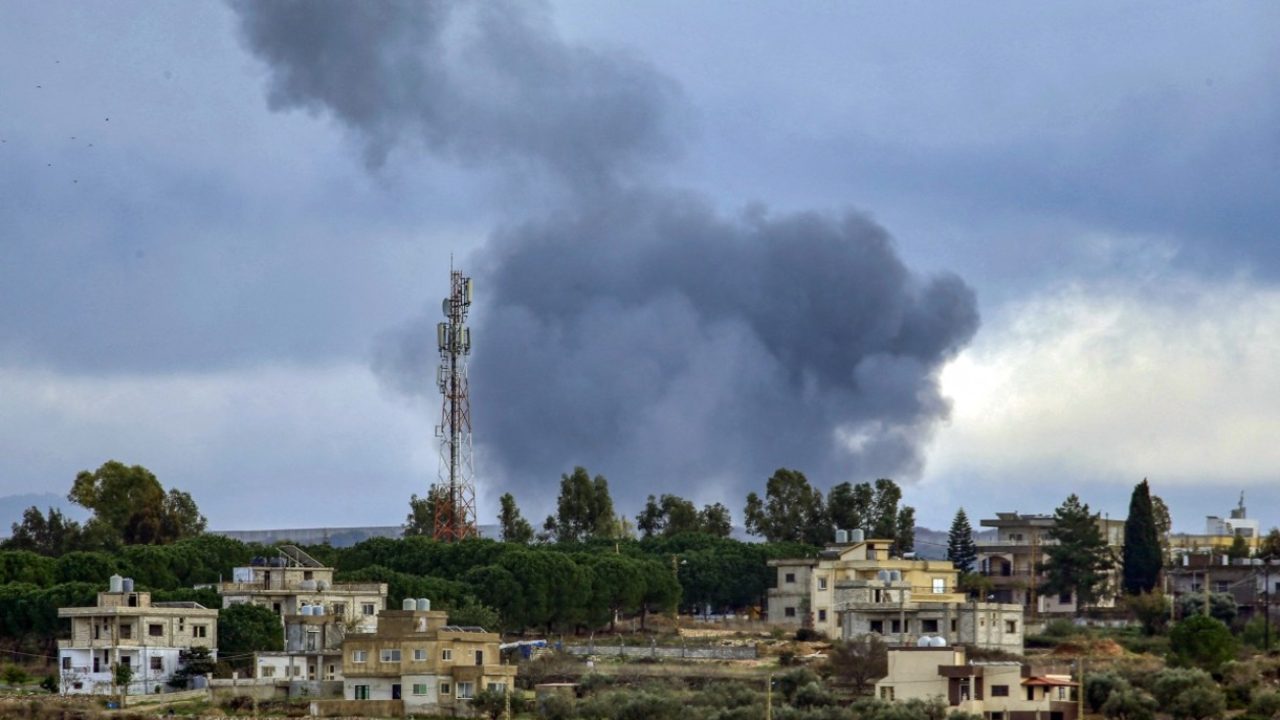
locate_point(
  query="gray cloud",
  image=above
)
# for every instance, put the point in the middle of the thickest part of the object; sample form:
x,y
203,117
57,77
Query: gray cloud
x,y
633,328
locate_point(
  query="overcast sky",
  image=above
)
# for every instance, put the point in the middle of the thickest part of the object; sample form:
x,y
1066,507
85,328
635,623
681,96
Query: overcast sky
x,y
1000,252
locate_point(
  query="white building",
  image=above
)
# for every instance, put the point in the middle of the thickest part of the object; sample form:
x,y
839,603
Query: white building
x,y
126,628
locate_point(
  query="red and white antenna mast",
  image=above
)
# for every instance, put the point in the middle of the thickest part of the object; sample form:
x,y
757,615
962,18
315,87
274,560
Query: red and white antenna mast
x,y
455,493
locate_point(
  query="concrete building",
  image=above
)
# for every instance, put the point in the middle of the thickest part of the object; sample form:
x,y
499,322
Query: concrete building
x,y
315,612
856,587
994,690
1009,562
888,608
1220,534
1252,582
417,658
126,628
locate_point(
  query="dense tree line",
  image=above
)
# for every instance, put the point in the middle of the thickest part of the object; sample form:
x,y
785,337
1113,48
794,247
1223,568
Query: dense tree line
x,y
792,510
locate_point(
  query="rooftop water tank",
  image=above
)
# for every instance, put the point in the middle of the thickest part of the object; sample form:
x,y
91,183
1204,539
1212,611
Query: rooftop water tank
x,y
126,585
924,641
317,609
322,584
309,585
895,575
842,536
857,536
408,604
423,604
304,610
883,576
116,583
938,641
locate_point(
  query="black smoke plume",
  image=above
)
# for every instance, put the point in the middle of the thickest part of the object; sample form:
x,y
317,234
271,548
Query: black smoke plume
x,y
630,327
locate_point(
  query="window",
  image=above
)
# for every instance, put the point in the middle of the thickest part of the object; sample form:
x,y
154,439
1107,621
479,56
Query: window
x,y
360,692
791,577
275,607
822,615
466,690
446,655
939,585
479,657
419,689
929,626
999,691
313,641
877,626
1062,694
953,624
1064,598
389,655
340,609
367,609
997,716
295,670
419,655
155,630
789,612
267,671
497,687
308,575
1031,693
886,693
360,656
126,661
333,670
66,662
1011,626
1222,586
444,688
822,583
199,631
182,624
157,663
126,632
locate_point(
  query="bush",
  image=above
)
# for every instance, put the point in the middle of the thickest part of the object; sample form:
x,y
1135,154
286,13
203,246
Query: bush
x,y
1098,688
1128,703
1265,705
50,683
14,675
1198,703
557,707
1202,642
1061,629
1167,684
805,634
1151,610
813,694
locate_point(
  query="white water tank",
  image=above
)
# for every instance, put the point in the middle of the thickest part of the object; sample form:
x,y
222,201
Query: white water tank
x,y
317,609
883,576
842,536
408,604
115,583
938,641
924,641
857,536
423,604
308,585
895,575
305,610
126,585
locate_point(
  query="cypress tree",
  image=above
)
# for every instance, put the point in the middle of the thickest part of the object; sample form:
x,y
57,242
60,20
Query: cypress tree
x,y
1142,556
961,550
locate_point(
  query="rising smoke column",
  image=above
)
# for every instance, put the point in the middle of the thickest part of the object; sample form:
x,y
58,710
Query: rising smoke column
x,y
630,327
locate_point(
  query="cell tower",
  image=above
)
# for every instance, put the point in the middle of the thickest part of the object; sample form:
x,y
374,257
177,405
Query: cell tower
x,y
454,493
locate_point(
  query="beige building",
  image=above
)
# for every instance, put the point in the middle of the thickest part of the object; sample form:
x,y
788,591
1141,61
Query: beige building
x,y
857,587
416,657
315,612
1220,534
994,690
1010,562
805,592
126,628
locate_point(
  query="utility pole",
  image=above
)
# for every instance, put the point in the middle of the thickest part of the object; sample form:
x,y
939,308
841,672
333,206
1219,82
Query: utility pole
x,y
1080,689
768,697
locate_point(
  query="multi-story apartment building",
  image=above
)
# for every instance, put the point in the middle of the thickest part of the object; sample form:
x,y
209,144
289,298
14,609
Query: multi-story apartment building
x,y
316,613
415,656
855,587
992,690
1011,561
126,628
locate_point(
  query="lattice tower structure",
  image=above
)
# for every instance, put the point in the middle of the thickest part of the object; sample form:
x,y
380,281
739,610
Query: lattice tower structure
x,y
454,495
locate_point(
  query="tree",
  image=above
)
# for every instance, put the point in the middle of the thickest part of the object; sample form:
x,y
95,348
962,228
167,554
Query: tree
x,y
1164,523
421,520
961,549
850,506
129,505
245,629
1222,606
859,661
515,529
1151,610
904,540
196,661
650,521
584,509
793,511
1127,703
1239,548
1198,703
51,534
1079,562
121,676
1202,642
884,509
1099,687
1142,553
715,521
1270,546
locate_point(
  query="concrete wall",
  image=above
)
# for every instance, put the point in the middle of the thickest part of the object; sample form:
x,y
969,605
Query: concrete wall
x,y
736,652
357,708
